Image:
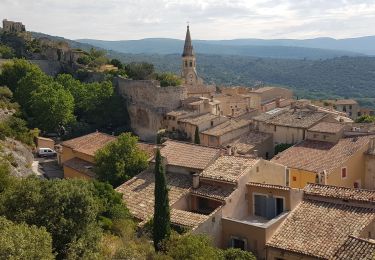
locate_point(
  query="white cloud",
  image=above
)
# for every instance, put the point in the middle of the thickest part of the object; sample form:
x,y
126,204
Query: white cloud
x,y
210,19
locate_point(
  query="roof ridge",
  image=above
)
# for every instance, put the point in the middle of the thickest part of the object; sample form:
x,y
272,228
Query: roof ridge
x,y
185,142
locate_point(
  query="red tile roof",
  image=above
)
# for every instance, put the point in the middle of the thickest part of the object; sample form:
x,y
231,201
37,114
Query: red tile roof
x,y
316,156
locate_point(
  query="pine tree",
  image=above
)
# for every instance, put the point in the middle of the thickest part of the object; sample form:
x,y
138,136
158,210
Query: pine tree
x,y
161,223
197,140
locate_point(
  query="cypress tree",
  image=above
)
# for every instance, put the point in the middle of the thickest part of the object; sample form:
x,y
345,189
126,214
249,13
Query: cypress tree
x,y
161,223
197,140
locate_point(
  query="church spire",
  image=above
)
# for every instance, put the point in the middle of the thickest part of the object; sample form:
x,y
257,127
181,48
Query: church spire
x,y
188,47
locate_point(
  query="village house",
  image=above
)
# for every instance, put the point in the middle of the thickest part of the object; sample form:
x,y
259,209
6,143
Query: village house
x,y
77,155
328,157
348,106
253,143
209,193
223,133
268,98
289,126
330,223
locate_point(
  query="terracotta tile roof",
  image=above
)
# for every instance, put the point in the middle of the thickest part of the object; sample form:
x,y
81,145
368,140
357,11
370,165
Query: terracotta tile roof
x,y
356,248
247,142
80,165
326,127
199,119
228,168
227,127
179,113
268,186
319,229
147,148
189,155
316,156
138,192
346,102
187,218
262,90
340,192
302,118
213,191
89,144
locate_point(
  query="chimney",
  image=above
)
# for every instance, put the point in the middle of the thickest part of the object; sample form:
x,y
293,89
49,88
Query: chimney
x,y
229,150
195,181
255,153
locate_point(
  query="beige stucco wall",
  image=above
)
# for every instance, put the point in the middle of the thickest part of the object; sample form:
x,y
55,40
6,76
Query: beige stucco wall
x,y
45,143
325,137
269,172
283,134
70,173
255,236
356,171
370,172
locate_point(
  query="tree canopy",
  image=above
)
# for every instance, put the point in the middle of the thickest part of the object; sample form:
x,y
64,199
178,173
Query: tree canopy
x,y
20,241
120,160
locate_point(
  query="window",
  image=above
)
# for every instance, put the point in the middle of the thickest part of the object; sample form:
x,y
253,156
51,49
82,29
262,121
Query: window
x,y
212,123
350,107
324,137
350,113
268,207
274,128
186,63
315,136
343,173
294,178
344,108
191,64
257,168
238,243
356,185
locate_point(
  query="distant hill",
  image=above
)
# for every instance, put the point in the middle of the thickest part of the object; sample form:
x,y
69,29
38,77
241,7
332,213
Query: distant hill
x,y
342,77
252,48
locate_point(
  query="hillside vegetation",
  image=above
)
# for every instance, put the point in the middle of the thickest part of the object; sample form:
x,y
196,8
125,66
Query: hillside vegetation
x,y
344,77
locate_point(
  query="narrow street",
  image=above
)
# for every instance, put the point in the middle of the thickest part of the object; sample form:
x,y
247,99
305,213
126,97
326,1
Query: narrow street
x,y
48,168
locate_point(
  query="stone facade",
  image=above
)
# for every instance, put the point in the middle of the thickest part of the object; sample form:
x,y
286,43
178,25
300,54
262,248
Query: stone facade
x,y
13,27
148,103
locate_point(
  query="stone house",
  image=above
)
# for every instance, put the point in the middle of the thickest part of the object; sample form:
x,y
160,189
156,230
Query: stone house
x,y
252,143
330,223
329,158
225,132
348,106
259,98
203,122
289,126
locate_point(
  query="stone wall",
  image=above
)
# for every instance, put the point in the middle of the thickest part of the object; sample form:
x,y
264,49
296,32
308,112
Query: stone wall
x,y
148,103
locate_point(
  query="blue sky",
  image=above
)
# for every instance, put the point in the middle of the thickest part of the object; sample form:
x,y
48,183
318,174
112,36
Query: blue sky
x,y
209,19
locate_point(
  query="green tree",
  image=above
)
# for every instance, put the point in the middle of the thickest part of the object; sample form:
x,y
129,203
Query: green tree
x,y
13,71
366,119
117,63
192,247
161,221
237,254
197,139
16,128
140,71
27,85
66,208
20,241
52,105
5,94
120,160
6,52
168,79
6,180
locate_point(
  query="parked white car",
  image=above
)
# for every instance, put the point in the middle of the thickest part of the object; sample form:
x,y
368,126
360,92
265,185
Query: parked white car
x,y
46,152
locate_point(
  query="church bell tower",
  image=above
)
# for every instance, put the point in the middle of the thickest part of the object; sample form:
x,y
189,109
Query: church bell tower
x,y
189,73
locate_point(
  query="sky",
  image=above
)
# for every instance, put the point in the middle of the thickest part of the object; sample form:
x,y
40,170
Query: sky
x,y
209,19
